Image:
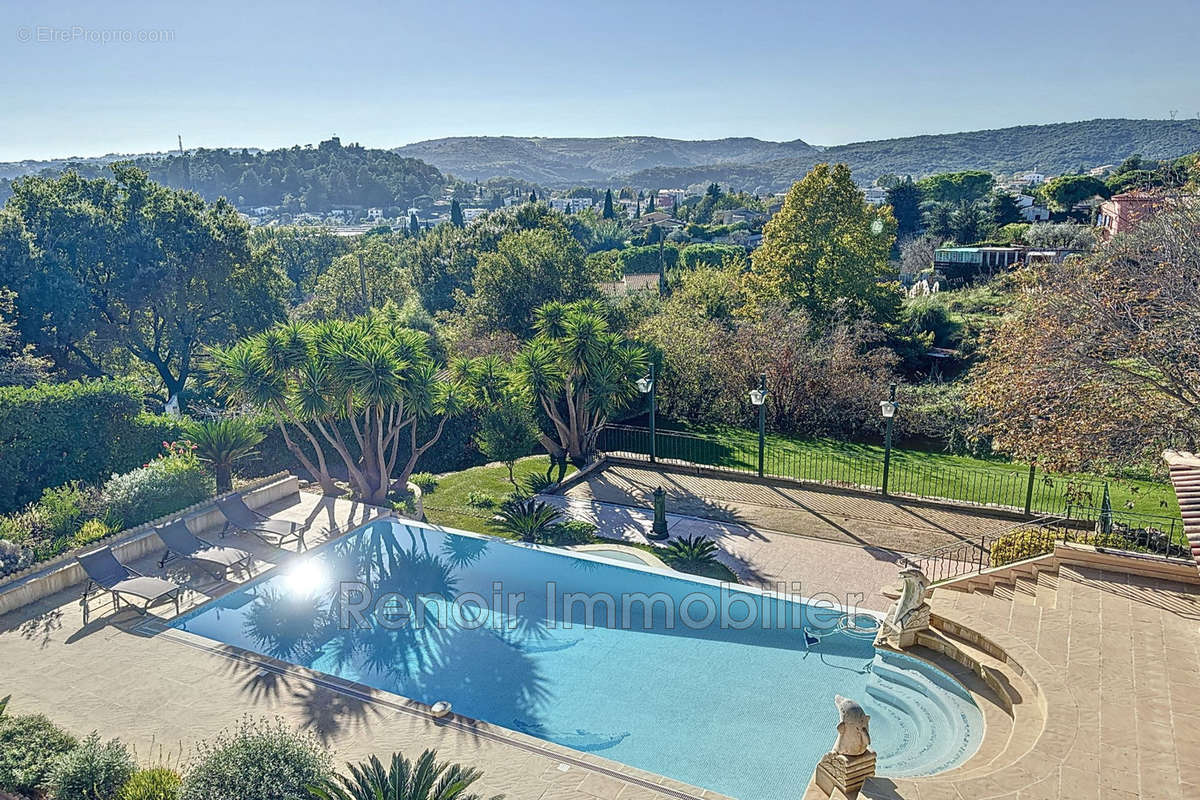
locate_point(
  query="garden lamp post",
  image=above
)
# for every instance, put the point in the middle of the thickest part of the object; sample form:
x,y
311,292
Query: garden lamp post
x,y
646,386
888,409
758,397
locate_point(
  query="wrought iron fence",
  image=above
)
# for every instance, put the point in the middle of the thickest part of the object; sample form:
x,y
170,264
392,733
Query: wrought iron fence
x,y
1031,492
1123,532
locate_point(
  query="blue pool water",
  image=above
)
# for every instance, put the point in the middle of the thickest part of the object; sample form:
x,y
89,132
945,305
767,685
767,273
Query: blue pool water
x,y
745,712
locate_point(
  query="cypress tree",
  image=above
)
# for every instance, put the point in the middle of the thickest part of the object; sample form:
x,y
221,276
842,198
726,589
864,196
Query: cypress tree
x,y
414,226
456,215
608,204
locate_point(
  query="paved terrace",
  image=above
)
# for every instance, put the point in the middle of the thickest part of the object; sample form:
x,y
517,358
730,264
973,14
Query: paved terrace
x,y
851,518
157,690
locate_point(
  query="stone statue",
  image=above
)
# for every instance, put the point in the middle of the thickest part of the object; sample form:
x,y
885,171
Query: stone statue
x,y
854,734
910,612
851,762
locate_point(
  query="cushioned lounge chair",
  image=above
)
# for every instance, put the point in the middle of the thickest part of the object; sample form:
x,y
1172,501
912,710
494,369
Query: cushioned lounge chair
x,y
106,573
213,559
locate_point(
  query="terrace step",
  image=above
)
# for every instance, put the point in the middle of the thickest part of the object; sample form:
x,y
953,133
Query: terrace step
x,y
1016,731
1047,589
1025,590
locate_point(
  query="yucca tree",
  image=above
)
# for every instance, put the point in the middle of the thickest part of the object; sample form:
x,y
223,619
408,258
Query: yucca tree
x,y
579,373
528,519
426,779
360,389
220,442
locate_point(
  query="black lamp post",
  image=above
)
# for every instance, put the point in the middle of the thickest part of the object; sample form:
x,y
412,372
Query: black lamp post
x,y
888,409
758,397
646,386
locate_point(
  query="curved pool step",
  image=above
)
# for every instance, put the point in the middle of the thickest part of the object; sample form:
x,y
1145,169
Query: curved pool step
x,y
937,729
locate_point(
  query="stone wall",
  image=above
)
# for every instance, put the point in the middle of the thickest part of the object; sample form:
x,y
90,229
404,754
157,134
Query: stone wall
x,y
63,571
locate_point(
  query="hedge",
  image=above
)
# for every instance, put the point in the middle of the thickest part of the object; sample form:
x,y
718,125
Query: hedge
x,y
644,260
52,434
714,255
1026,543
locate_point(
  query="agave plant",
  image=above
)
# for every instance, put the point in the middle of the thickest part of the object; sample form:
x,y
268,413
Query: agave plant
x,y
691,552
528,519
426,779
220,442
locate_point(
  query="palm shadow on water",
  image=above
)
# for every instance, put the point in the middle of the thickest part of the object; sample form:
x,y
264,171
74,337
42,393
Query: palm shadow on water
x,y
485,672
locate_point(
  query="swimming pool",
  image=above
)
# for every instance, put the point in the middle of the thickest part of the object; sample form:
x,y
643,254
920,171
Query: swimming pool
x,y
742,709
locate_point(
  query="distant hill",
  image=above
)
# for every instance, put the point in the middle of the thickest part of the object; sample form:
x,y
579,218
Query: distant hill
x,y
560,162
316,179
648,162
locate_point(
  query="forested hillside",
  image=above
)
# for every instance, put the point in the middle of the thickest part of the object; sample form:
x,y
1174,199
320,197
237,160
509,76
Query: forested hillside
x,y
647,162
308,178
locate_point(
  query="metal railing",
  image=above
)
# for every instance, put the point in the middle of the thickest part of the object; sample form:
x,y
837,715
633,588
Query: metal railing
x,y
1031,492
1123,532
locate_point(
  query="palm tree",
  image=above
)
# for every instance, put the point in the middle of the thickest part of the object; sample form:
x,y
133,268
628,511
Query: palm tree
x,y
220,442
427,779
579,372
690,553
529,520
360,389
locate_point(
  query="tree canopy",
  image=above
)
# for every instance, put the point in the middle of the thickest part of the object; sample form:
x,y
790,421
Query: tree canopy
x,y
828,245
111,270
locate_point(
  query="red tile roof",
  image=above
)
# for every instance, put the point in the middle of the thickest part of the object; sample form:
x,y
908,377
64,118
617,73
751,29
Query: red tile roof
x,y
1185,476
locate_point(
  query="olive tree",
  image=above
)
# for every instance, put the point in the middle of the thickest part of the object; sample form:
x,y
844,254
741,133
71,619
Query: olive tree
x,y
356,391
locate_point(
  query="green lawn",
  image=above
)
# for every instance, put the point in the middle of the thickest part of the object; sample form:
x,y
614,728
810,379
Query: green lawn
x,y
447,504
914,472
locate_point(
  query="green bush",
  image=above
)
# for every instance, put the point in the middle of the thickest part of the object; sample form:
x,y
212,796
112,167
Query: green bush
x,y
162,487
156,783
1026,543
94,770
52,434
574,531
425,481
714,255
644,260
30,745
92,531
257,760
477,499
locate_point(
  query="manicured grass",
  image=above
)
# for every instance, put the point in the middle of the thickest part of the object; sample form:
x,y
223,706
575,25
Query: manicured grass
x,y
447,504
914,472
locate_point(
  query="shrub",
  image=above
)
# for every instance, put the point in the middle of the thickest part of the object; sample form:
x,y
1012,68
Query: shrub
x,y
424,779
425,481
64,508
575,531
644,260
528,519
712,255
157,783
477,499
536,483
14,557
163,486
52,434
256,760
220,442
691,553
92,531
29,747
1026,543
94,770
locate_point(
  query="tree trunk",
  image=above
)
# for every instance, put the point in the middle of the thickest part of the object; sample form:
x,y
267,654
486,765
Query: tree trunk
x,y
224,475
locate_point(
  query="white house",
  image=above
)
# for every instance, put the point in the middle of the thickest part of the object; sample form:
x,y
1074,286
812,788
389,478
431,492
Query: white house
x,y
1032,178
374,213
574,204
473,213
875,195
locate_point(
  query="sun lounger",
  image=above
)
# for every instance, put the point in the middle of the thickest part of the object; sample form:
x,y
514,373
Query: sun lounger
x,y
214,559
274,532
106,573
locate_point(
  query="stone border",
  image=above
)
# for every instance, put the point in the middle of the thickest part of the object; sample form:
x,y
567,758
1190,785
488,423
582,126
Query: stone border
x,y
63,571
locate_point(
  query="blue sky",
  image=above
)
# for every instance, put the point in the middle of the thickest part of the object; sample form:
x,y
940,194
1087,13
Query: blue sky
x,y
275,74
